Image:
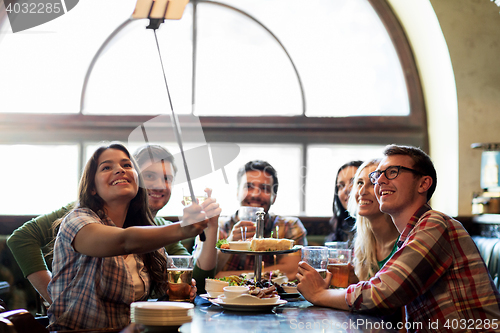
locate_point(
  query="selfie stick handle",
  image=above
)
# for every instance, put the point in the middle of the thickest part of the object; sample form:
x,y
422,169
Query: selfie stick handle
x,y
177,132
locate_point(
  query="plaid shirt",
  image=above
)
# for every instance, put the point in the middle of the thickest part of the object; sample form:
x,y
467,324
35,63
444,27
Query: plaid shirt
x,y
438,274
288,227
89,292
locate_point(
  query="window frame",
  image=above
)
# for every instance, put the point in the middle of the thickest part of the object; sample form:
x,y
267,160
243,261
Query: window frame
x,y
412,129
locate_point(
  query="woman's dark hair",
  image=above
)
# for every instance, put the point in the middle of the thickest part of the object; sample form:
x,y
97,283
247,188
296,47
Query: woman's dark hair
x,y
338,209
341,216
138,213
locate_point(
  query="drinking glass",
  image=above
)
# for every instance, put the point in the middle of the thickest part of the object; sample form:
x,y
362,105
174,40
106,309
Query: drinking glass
x,y
317,257
180,274
337,245
338,265
248,213
186,196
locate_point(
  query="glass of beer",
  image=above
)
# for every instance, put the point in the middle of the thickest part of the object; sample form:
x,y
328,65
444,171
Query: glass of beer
x,y
317,257
180,274
338,265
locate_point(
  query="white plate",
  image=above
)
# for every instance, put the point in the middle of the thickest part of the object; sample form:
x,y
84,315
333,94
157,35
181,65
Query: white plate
x,y
289,289
207,296
280,279
164,306
138,316
162,313
248,307
214,294
247,299
161,321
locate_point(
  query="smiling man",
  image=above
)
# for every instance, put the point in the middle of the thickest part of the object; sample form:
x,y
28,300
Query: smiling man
x,y
437,272
258,187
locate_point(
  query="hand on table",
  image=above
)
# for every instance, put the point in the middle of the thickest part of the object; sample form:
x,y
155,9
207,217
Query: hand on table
x,y
311,284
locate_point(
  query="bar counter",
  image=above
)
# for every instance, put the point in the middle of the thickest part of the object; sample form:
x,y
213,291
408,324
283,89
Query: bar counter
x,y
298,315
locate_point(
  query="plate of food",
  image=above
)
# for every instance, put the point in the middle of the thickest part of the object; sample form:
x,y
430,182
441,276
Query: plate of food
x,y
255,307
259,246
249,298
288,290
208,297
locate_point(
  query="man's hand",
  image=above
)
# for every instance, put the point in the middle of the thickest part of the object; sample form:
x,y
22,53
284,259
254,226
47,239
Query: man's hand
x,y
315,289
311,284
192,295
239,227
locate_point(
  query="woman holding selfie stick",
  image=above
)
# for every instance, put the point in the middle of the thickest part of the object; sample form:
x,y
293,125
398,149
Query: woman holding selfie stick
x,y
110,231
33,242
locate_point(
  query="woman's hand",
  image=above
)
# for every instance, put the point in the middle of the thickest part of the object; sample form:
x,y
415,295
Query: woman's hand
x,y
194,221
211,208
192,295
311,284
206,251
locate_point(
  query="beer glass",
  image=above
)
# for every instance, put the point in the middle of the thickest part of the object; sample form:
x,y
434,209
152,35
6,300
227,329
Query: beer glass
x,y
337,245
338,265
180,274
317,257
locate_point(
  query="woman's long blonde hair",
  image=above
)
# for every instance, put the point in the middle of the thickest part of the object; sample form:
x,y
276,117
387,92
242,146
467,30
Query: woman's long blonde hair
x,y
365,255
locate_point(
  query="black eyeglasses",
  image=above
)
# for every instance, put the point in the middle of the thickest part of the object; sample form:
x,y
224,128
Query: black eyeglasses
x,y
390,173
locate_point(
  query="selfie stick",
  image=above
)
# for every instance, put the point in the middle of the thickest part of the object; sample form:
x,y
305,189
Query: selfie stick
x,y
154,25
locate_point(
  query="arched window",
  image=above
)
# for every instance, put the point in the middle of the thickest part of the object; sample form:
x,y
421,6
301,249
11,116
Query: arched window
x,y
307,86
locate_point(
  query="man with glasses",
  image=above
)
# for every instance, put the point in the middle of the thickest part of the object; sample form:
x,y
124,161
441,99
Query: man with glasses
x,y
437,272
258,187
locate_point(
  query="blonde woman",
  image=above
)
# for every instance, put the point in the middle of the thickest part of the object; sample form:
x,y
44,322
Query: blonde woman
x,y
376,235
